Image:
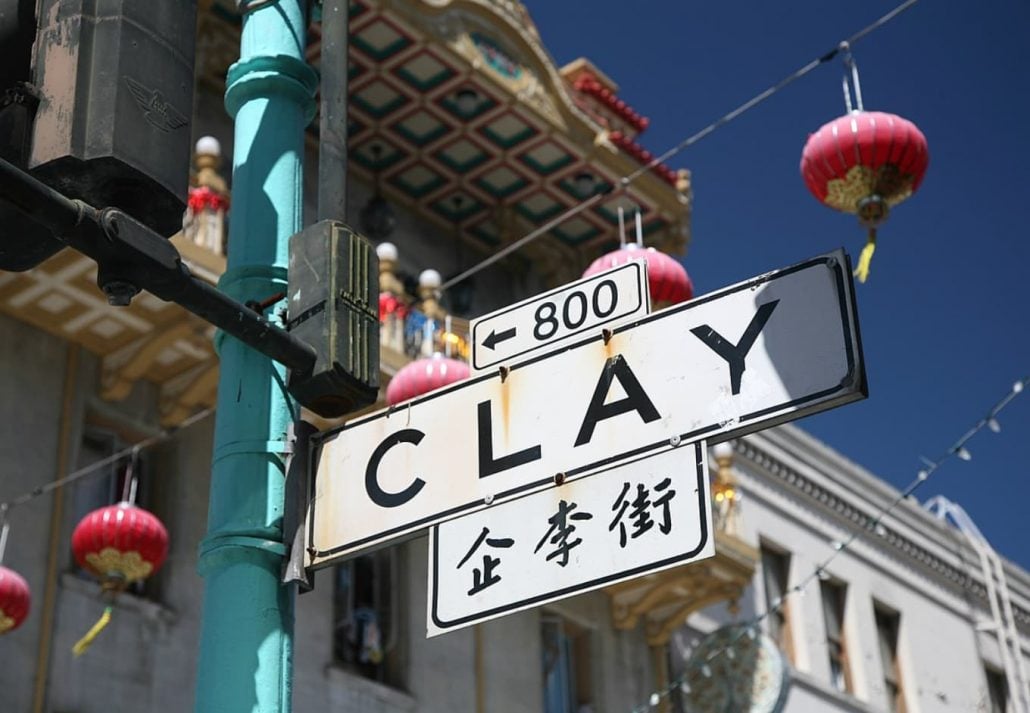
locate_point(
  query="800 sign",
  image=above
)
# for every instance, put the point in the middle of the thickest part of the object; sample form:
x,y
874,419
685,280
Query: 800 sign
x,y
549,318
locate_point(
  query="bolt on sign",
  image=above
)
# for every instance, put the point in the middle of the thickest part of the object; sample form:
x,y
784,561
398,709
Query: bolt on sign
x,y
771,349
625,521
559,316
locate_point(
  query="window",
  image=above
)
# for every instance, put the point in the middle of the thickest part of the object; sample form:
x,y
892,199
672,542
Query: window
x,y
997,690
834,598
364,606
566,663
887,624
775,576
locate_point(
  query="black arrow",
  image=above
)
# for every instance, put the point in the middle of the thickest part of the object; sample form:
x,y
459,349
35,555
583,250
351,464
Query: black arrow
x,y
494,337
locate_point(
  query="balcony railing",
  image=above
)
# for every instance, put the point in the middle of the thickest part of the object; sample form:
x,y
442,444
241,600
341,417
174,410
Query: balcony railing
x,y
414,334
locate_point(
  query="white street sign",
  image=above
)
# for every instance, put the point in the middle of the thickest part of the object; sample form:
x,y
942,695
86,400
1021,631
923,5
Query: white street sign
x,y
633,519
559,316
772,349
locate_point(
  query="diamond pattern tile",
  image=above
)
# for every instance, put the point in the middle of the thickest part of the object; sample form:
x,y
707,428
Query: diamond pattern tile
x,y
380,40
376,161
546,158
501,182
484,104
577,230
421,127
424,71
568,184
539,207
457,206
378,98
418,180
508,130
462,155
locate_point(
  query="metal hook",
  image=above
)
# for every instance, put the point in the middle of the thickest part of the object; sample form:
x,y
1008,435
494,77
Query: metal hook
x,y
130,486
4,529
854,85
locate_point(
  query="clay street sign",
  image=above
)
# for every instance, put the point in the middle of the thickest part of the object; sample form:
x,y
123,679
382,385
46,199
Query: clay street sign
x,y
555,317
638,517
772,349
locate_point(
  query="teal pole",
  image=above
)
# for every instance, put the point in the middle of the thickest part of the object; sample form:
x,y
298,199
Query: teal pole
x,y
246,646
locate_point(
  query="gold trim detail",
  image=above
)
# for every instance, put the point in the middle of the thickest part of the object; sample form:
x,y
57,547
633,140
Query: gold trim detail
x,y
861,182
129,565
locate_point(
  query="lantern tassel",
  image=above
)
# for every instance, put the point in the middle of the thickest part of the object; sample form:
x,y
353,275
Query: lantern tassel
x,y
862,271
84,643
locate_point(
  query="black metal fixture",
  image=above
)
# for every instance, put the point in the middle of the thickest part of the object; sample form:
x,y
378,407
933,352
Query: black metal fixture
x,y
460,296
132,256
585,184
377,219
467,101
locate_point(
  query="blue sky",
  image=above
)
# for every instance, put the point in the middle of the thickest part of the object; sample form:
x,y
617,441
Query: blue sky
x,y
944,313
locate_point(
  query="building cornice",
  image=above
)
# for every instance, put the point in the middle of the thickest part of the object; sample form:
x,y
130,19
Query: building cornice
x,y
854,512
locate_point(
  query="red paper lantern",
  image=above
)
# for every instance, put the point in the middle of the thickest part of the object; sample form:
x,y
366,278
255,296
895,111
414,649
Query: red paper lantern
x,y
120,544
669,282
424,375
14,600
865,163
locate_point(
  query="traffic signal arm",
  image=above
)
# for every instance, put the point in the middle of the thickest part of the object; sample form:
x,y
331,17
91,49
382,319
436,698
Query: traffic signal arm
x,y
132,257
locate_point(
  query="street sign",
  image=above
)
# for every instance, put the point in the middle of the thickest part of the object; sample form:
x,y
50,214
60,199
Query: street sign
x,y
559,316
772,349
633,519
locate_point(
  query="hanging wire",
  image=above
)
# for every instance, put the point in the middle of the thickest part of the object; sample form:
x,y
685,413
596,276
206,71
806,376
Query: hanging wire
x,y
629,178
93,468
750,628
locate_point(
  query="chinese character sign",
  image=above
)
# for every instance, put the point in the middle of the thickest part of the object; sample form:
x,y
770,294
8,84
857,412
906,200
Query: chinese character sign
x,y
631,519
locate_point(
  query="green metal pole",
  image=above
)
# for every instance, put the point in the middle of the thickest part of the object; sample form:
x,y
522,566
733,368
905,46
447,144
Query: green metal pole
x,y
246,648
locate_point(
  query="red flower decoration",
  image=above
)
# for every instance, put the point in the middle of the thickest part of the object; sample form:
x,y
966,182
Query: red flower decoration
x,y
390,304
203,198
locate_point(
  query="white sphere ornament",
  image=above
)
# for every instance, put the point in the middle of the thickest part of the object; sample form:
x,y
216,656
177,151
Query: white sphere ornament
x,y
208,146
430,278
723,450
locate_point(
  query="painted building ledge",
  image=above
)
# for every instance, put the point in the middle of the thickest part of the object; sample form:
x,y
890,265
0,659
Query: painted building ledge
x,y
151,340
664,600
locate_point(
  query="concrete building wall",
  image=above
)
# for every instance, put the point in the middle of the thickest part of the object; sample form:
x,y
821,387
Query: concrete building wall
x,y
30,411
941,656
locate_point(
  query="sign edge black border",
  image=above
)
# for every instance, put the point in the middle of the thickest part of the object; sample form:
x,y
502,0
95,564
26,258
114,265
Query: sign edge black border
x,y
854,382
569,591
